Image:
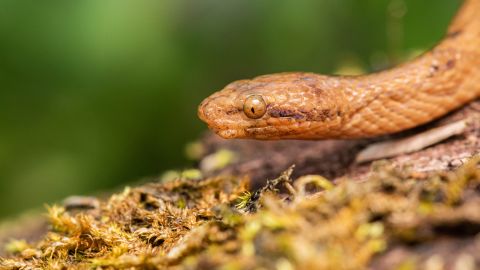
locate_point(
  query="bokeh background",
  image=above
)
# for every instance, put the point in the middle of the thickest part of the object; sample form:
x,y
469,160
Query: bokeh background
x,y
95,94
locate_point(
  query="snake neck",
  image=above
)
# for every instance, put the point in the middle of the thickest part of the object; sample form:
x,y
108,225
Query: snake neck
x,y
423,89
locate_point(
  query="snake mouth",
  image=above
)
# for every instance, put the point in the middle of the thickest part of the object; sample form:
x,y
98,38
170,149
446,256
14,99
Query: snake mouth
x,y
230,133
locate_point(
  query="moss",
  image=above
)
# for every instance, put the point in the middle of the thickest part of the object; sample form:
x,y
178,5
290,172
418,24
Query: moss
x,y
217,223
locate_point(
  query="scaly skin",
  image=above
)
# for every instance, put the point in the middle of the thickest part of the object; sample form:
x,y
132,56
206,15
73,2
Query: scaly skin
x,y
312,106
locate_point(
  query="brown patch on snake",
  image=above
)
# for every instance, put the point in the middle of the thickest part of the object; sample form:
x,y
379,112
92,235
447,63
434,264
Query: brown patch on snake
x,y
451,63
326,114
433,70
311,82
322,115
279,112
454,34
314,115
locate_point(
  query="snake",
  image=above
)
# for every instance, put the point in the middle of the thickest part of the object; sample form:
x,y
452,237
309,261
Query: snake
x,y
310,106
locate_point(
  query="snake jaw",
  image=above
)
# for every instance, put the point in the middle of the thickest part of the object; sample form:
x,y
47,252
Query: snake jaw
x,y
230,133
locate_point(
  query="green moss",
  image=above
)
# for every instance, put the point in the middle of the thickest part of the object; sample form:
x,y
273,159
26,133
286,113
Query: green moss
x,y
218,223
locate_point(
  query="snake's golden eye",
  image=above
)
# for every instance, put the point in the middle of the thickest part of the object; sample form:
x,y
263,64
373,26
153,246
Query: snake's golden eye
x,y
254,106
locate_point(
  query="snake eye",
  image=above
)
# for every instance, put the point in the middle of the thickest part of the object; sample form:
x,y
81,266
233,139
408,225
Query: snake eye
x,y
254,107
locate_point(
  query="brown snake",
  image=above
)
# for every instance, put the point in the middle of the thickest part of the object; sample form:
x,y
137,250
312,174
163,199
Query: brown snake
x,y
312,106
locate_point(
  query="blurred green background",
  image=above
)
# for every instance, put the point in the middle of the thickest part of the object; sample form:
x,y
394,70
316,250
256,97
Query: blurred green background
x,y
94,94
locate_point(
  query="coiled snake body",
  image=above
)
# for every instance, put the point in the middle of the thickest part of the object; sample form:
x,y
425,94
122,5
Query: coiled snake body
x,y
313,106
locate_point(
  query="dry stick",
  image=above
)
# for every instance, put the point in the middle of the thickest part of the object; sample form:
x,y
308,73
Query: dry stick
x,y
411,144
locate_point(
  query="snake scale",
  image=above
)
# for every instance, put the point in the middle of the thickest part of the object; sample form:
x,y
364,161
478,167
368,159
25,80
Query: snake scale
x,y
310,106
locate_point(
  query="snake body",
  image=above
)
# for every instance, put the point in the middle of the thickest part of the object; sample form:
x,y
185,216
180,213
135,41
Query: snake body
x,y
311,106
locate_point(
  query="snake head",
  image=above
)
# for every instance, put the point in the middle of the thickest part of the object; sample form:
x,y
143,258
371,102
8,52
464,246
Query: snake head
x,y
278,106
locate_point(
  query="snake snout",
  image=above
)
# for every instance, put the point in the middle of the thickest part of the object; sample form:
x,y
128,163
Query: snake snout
x,y
210,112
203,112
